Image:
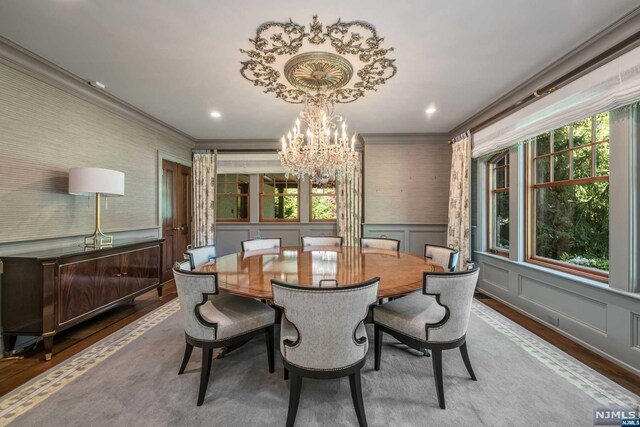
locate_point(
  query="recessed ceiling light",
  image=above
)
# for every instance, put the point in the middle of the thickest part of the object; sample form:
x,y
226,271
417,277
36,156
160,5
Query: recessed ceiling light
x,y
431,110
216,114
97,85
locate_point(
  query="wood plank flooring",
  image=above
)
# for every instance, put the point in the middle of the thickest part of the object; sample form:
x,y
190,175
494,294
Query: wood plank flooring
x,y
17,371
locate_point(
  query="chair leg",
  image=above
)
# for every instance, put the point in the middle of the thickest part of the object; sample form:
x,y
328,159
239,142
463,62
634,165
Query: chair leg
x,y
467,362
437,373
207,355
286,374
269,337
356,395
378,346
188,349
294,398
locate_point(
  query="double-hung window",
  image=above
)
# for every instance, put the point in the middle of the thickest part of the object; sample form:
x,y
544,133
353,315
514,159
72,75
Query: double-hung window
x,y
279,198
498,226
232,200
322,202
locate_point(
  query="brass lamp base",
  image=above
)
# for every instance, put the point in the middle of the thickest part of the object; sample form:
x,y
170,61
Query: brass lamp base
x,y
98,239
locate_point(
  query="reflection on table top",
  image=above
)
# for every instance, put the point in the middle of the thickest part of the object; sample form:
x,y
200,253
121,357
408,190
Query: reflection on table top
x,y
250,273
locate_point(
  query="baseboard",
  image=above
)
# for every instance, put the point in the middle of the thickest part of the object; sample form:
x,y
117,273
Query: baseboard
x,y
565,334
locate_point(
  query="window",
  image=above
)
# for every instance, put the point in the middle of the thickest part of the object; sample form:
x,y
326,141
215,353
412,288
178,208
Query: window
x,y
322,202
279,198
569,181
232,201
498,227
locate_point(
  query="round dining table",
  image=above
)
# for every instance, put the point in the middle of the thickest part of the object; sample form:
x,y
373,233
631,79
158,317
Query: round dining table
x,y
250,273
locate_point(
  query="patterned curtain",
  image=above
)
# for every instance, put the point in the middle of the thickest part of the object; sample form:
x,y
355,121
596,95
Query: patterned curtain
x,y
349,206
459,232
204,198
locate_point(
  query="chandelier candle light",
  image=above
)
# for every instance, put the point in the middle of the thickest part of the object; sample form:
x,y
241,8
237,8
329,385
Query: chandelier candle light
x,y
324,151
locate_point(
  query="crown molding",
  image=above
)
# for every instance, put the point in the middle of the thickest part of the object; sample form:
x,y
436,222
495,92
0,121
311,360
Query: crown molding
x,y
264,144
404,138
616,33
35,66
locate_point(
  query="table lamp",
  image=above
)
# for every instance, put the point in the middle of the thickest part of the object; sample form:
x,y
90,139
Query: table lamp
x,y
101,182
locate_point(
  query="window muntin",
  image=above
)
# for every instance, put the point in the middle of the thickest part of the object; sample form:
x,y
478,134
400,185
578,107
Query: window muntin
x,y
279,198
232,199
498,227
322,202
569,215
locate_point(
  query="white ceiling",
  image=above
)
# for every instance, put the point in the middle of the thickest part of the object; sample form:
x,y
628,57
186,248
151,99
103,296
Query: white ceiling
x,y
179,60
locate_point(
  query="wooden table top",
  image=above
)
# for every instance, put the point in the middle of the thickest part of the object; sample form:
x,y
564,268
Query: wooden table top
x,y
250,273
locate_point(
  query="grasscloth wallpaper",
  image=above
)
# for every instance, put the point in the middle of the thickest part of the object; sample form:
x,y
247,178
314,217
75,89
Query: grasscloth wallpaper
x,y
407,183
44,131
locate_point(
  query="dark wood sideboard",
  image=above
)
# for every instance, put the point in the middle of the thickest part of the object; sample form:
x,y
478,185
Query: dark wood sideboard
x,y
46,292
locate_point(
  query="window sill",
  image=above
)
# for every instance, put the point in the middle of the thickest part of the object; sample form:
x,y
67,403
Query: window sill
x,y
551,271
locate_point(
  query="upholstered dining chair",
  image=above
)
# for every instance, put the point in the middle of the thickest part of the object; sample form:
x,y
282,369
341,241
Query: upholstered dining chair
x,y
259,243
200,255
213,320
445,256
323,336
322,241
380,243
436,319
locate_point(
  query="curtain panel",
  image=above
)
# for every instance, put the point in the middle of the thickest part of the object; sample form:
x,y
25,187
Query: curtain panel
x,y
610,86
204,198
349,206
459,230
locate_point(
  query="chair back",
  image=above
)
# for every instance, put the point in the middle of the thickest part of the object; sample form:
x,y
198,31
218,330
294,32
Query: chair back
x,y
443,255
184,265
259,244
453,291
322,241
194,289
200,255
380,243
329,323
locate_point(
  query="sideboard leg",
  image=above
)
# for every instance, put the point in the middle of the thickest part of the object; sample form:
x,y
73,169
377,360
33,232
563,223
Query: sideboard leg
x,y
9,342
48,347
159,289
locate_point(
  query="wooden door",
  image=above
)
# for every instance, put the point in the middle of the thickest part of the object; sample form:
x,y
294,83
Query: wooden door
x,y
176,214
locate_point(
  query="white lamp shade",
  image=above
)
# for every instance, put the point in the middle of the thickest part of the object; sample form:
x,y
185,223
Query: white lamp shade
x,y
88,181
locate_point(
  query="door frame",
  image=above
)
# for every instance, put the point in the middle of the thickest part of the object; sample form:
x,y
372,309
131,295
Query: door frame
x,y
163,155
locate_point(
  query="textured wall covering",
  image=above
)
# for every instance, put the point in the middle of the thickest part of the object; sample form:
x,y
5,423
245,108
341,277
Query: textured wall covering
x,y
407,183
45,131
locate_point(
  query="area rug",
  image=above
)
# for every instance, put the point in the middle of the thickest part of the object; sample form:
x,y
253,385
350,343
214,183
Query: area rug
x,y
130,379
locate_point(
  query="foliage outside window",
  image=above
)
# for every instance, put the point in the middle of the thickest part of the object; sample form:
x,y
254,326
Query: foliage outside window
x,y
279,199
499,204
323,202
570,196
232,200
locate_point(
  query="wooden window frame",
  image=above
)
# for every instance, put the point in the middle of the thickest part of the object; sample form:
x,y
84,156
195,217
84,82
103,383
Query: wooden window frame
x,y
532,185
262,195
247,195
491,192
311,195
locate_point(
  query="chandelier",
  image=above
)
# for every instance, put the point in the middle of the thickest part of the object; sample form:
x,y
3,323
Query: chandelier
x,y
323,151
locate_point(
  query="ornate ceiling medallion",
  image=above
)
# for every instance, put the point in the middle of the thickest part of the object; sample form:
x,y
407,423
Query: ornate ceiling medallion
x,y
318,71
324,151
282,39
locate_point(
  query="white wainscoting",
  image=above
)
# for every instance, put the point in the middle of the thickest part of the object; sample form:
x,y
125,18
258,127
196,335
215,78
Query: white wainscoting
x,y
412,237
602,319
229,235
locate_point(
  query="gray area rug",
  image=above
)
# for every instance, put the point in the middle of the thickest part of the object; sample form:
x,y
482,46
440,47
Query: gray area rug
x,y
130,379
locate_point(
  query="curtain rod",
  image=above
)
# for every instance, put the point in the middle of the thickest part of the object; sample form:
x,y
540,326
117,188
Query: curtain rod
x,y
459,137
614,51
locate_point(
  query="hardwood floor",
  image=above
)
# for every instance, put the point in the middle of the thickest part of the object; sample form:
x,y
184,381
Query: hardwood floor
x,y
17,371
